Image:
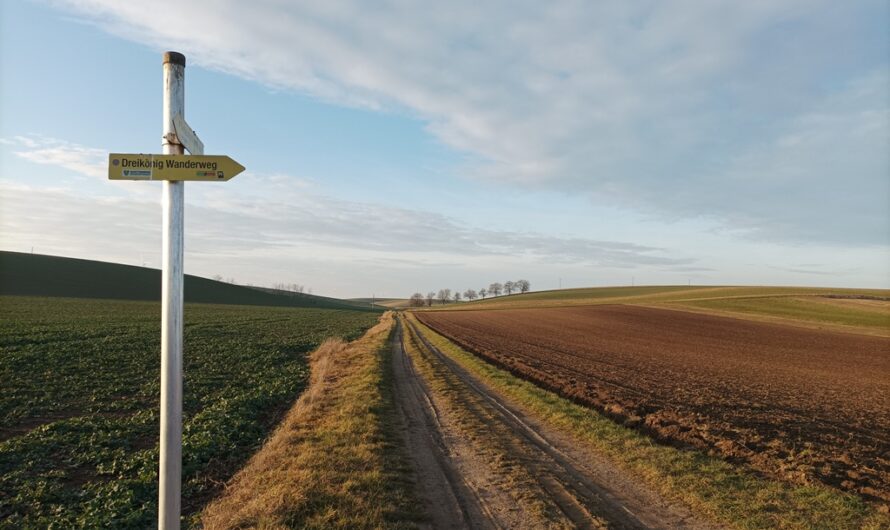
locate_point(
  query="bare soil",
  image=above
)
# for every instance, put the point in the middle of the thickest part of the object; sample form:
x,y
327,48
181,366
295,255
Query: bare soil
x,y
483,463
804,405
448,500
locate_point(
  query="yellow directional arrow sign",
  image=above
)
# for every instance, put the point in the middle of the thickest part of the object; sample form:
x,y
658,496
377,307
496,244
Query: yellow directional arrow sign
x,y
171,167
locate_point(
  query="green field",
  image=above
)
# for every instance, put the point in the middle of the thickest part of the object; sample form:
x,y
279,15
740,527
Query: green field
x,y
79,406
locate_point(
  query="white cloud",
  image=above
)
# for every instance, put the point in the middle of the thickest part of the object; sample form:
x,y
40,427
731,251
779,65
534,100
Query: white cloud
x,y
221,224
44,150
821,177
664,107
347,248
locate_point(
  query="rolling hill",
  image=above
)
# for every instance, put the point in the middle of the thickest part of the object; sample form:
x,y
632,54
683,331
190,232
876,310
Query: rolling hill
x,y
40,275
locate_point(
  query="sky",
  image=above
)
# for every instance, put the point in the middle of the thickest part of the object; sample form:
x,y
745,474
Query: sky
x,y
415,146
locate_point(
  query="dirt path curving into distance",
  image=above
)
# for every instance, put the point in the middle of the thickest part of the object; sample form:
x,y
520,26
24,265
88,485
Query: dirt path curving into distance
x,y
449,501
482,463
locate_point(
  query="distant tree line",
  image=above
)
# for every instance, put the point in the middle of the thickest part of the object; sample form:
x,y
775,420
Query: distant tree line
x,y
445,296
292,288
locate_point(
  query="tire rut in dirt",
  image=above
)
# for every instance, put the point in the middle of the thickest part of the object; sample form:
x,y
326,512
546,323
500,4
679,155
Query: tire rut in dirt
x,y
449,501
580,499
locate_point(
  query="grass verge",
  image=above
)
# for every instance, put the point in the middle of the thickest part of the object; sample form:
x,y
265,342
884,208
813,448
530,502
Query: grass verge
x,y
724,492
335,461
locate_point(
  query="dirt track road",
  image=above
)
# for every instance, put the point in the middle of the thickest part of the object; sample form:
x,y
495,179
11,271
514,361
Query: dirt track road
x,y
482,463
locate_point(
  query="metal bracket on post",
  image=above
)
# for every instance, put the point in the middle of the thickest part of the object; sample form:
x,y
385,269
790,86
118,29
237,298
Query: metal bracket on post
x,y
185,136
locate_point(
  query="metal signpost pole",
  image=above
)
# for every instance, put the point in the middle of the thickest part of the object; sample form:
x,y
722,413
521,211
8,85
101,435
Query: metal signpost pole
x,y
174,168
170,470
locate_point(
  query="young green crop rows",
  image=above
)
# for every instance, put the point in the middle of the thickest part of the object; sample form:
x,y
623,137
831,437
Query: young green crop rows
x,y
80,391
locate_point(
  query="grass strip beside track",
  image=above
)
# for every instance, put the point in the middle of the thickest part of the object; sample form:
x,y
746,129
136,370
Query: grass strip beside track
x,y
335,461
711,486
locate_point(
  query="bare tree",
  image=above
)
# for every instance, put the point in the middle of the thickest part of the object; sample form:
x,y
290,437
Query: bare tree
x,y
444,295
523,286
457,296
294,288
482,293
495,289
470,294
416,300
509,286
430,296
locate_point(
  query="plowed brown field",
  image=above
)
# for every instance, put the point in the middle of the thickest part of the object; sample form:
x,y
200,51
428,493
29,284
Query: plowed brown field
x,y
805,405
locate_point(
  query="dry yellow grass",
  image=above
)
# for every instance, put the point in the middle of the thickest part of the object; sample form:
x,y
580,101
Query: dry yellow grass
x,y
333,462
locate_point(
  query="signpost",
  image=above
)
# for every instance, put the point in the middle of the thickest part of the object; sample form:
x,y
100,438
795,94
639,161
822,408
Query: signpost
x,y
172,167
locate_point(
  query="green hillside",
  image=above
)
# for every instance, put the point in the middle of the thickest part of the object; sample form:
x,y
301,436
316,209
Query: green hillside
x,y
38,275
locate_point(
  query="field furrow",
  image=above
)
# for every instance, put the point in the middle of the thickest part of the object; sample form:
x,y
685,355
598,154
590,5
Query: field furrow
x,y
805,405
